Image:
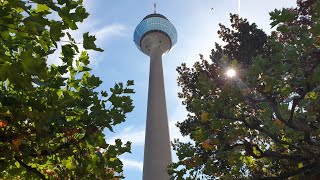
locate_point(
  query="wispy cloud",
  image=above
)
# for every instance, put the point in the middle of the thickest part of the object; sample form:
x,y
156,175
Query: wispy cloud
x,y
109,31
132,164
136,136
102,34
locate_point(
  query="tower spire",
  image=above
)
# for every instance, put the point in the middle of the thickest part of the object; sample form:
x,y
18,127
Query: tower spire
x,y
155,7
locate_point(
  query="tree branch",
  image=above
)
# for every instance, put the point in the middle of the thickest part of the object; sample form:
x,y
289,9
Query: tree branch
x,y
270,154
302,170
249,148
299,127
260,100
259,128
30,169
294,104
276,111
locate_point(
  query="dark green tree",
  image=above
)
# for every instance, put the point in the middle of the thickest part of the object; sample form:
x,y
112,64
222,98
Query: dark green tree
x,y
51,123
264,122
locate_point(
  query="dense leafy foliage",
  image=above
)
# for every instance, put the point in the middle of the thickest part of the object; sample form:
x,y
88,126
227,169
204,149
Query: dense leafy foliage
x,y
265,122
51,117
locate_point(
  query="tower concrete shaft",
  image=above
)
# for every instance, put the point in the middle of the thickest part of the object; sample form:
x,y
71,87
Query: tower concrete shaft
x,y
157,152
155,35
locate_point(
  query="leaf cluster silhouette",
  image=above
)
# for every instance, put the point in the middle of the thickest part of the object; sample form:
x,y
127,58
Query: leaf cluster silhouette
x,y
263,123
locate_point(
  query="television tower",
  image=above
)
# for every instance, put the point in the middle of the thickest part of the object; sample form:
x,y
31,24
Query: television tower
x,y
154,36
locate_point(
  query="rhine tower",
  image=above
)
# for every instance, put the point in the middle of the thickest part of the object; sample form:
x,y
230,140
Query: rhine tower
x,y
155,36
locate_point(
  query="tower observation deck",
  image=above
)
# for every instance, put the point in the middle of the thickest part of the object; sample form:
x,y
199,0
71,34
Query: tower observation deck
x,y
154,36
155,31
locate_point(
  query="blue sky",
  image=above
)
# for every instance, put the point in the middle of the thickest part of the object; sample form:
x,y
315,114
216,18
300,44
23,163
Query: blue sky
x,y
113,22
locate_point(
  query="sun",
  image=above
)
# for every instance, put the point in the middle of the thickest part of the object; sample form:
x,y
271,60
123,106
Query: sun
x,y
231,72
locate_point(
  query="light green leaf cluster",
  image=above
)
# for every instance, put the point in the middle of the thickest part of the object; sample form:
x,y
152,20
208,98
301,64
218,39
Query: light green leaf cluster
x,y
51,125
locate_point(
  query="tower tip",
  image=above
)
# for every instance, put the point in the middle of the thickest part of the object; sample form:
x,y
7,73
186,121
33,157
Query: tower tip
x,y
155,7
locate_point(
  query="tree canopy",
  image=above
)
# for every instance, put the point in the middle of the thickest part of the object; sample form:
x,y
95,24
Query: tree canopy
x,y
264,122
51,116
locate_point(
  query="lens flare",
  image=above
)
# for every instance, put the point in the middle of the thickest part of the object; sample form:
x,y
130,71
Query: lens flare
x,y
231,73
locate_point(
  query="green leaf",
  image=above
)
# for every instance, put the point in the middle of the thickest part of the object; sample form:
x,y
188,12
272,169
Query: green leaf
x,y
81,13
42,7
17,164
84,58
68,54
31,64
88,42
130,82
56,31
128,90
84,68
104,93
53,115
256,152
70,165
5,70
35,24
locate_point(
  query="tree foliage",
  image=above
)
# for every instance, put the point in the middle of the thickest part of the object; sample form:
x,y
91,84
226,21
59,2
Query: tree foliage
x,y
51,116
265,122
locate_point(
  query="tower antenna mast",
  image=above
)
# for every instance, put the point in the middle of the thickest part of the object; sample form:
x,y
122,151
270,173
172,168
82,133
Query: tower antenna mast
x,y
155,7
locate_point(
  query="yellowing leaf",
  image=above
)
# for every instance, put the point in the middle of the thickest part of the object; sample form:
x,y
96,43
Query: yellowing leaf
x,y
317,41
248,160
49,172
268,88
16,144
198,136
278,123
3,123
264,169
246,91
207,145
256,152
204,117
312,95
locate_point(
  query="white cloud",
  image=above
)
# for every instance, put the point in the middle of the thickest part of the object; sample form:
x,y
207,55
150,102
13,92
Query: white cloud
x,y
132,164
174,130
95,27
102,35
89,5
136,136
110,31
